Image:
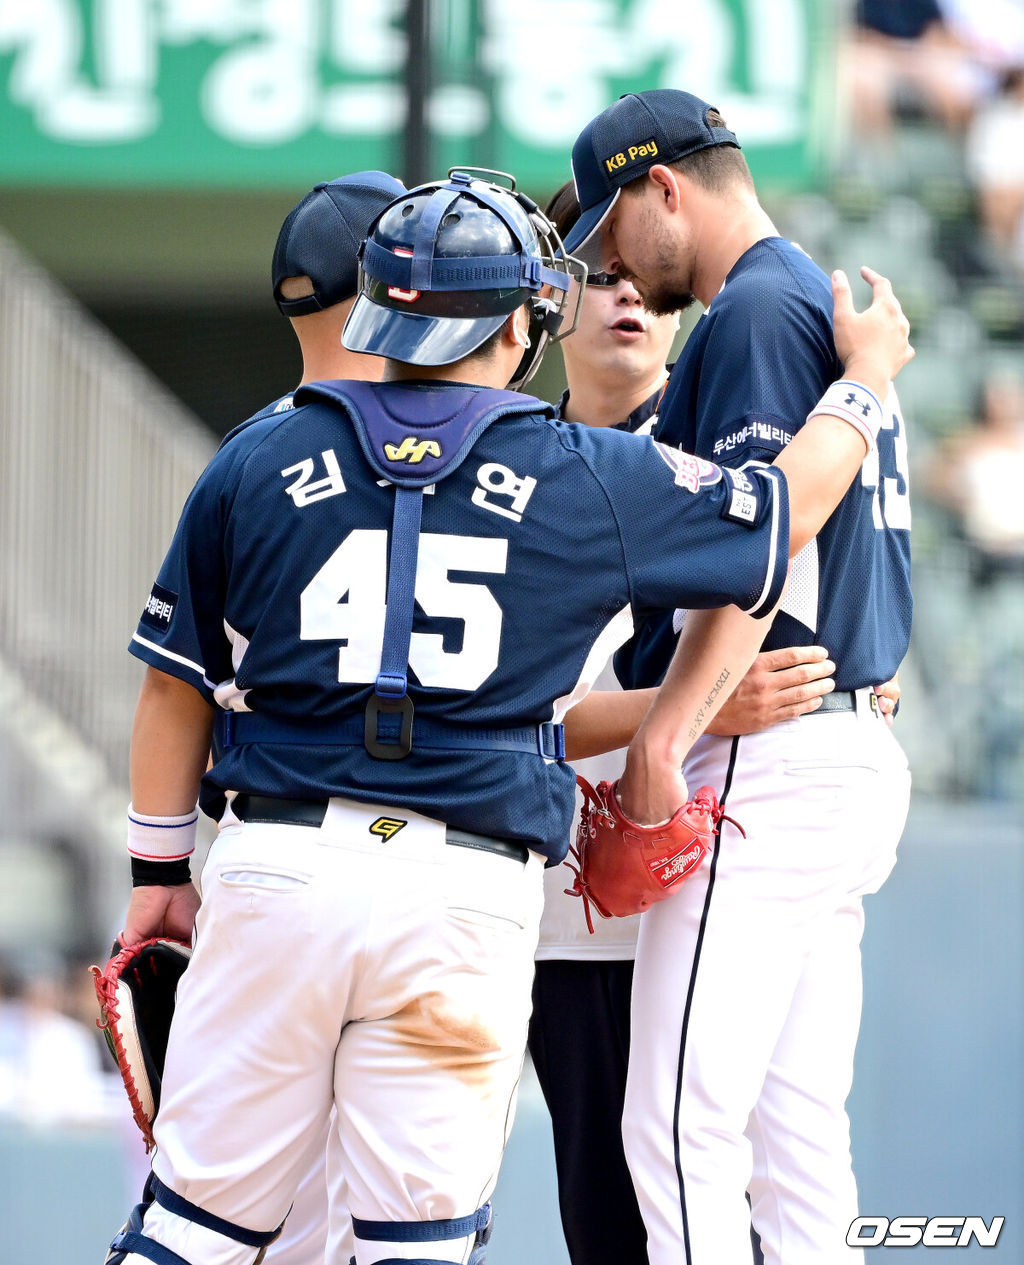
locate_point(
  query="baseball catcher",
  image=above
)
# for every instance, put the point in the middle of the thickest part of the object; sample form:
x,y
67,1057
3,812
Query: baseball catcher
x,y
136,993
623,868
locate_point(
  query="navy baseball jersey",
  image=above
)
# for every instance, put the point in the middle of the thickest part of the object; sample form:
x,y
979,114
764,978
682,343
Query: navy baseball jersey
x,y
281,405
535,556
755,365
641,421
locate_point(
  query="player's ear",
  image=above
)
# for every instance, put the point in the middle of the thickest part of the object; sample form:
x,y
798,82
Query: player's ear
x,y
666,181
516,330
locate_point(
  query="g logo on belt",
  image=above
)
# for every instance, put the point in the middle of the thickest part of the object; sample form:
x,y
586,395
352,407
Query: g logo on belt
x,y
387,827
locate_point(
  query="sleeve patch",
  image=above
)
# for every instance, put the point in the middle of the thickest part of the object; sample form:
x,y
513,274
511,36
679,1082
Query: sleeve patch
x,y
763,434
688,471
159,608
743,505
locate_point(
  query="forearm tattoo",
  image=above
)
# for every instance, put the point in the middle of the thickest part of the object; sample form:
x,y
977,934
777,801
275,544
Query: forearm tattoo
x,y
709,703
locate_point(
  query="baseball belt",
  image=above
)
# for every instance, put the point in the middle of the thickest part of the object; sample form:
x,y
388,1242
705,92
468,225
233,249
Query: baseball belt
x,y
272,810
842,701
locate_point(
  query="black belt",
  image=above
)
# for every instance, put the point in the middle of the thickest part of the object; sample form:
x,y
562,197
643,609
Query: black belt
x,y
840,701
270,810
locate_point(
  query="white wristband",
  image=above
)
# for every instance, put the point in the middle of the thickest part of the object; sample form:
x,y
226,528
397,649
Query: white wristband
x,y
853,403
161,838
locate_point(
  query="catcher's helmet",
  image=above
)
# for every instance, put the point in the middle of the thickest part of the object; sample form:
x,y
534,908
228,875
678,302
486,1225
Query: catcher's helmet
x,y
446,263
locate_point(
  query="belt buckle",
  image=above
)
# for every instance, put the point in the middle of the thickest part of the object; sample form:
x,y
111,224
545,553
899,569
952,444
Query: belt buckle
x,y
551,740
379,748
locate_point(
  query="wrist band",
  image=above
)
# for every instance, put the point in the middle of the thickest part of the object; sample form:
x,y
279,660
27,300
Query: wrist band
x,y
161,838
160,873
852,402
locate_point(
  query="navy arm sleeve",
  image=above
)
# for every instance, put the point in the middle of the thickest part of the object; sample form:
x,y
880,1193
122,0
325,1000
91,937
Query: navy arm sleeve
x,y
692,534
181,630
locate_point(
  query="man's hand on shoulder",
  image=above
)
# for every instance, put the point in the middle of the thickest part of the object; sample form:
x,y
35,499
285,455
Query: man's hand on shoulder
x,y
873,345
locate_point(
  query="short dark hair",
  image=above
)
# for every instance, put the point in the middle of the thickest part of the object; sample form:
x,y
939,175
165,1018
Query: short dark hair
x,y
563,209
488,348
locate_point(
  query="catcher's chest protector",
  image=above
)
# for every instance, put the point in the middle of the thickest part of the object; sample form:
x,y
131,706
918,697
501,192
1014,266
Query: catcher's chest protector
x,y
412,438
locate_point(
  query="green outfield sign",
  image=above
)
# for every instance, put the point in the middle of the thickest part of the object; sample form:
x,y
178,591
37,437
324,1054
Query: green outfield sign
x,y
269,93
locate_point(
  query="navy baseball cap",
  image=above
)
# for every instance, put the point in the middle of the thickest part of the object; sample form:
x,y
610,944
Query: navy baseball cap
x,y
320,238
625,141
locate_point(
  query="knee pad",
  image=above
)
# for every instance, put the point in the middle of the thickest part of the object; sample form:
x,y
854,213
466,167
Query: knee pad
x,y
479,1253
477,1224
131,1240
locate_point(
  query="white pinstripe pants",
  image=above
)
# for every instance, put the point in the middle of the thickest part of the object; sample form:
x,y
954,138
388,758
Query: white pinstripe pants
x,y
747,999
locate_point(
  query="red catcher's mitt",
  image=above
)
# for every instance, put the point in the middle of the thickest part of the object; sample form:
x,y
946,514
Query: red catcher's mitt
x,y
136,992
623,868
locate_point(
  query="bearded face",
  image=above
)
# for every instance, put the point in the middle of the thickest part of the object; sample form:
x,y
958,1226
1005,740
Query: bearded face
x,y
639,244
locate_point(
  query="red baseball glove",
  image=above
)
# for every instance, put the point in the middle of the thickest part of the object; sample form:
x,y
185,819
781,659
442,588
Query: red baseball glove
x,y
623,868
136,992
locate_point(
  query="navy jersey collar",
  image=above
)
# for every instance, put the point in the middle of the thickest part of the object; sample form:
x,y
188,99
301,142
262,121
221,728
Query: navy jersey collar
x,y
642,413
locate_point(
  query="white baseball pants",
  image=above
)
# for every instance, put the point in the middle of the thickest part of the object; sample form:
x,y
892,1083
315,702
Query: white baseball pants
x,y
305,1233
389,977
747,998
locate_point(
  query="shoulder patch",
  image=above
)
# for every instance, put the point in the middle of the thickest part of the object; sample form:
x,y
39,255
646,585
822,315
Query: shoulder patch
x,y
688,471
744,504
159,608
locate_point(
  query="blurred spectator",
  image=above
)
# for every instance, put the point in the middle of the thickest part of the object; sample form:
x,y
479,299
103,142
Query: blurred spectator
x,y
903,53
995,164
993,31
50,1067
977,475
971,472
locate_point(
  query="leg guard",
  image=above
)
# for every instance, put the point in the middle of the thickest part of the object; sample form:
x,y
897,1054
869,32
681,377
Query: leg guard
x,y
477,1225
132,1241
479,1253
130,1234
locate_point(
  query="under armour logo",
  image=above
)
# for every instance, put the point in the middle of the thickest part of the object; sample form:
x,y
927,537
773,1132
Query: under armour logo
x,y
855,401
412,450
387,827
